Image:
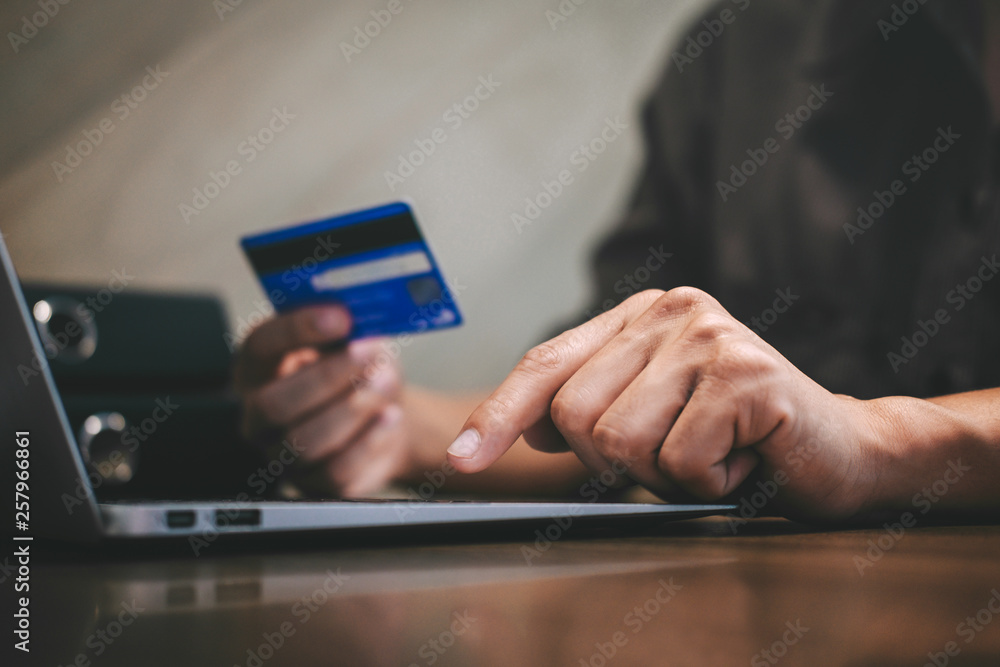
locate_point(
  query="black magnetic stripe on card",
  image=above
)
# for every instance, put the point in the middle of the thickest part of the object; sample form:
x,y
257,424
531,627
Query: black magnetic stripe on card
x,y
334,243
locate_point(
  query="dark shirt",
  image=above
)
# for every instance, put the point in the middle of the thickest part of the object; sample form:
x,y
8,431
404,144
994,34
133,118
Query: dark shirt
x,y
761,208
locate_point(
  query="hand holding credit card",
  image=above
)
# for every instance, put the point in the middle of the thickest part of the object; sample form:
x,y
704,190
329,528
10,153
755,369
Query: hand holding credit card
x,y
374,262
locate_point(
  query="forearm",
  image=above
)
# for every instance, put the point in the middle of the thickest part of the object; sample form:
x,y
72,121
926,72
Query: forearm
x,y
941,453
434,420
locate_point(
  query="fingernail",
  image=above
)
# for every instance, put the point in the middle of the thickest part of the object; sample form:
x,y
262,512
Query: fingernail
x,y
330,322
466,445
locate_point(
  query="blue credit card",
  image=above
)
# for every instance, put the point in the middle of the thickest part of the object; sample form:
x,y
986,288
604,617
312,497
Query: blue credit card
x,y
375,262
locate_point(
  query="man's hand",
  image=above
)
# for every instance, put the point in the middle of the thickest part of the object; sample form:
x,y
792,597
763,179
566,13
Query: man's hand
x,y
673,387
336,404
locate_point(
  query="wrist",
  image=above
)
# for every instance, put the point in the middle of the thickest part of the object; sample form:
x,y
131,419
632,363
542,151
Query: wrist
x,y
921,456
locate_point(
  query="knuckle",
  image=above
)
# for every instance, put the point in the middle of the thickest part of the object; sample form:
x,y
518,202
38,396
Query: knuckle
x,y
569,414
685,299
709,326
575,411
740,359
642,335
543,359
612,441
493,416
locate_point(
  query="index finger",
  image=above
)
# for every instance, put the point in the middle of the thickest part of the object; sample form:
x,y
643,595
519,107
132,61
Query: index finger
x,y
268,344
524,397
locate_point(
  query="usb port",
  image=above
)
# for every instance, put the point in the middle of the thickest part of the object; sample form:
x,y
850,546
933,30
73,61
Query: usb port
x,y
224,518
180,518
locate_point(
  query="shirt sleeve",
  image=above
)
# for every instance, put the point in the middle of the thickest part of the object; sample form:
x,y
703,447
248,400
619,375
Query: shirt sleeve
x,y
664,239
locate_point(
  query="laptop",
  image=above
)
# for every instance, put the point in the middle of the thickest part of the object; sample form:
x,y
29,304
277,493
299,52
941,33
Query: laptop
x,y
59,501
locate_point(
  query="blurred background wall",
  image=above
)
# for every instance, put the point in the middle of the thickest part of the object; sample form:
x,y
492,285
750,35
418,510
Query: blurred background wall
x,y
211,74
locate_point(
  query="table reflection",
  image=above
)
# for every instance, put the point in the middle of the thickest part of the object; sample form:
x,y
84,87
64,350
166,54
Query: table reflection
x,y
678,598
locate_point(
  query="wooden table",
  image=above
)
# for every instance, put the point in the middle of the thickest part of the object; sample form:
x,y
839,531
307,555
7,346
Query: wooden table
x,y
690,593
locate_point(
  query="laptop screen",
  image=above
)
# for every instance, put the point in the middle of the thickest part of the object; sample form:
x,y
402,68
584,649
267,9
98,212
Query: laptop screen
x,y
61,501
